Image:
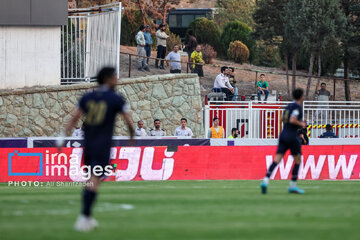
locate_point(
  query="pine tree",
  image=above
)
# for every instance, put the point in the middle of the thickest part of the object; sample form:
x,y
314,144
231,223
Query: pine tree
x,y
351,41
269,18
321,22
293,33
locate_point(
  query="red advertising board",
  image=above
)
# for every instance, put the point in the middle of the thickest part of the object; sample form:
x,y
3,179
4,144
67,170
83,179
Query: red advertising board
x,y
188,163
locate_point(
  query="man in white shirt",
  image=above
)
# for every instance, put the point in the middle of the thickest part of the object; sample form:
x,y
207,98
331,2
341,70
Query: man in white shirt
x,y
182,130
157,131
161,37
140,131
173,60
222,82
140,41
78,132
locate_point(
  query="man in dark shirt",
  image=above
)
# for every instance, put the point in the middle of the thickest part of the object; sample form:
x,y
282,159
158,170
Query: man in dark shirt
x,y
289,139
191,45
329,132
100,108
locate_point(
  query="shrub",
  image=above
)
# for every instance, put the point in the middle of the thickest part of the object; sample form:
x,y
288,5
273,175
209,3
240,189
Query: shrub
x,y
129,28
238,52
208,53
172,40
236,30
206,32
267,55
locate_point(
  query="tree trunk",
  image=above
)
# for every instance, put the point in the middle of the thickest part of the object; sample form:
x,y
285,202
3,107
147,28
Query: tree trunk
x,y
319,75
311,66
165,10
346,76
287,74
293,87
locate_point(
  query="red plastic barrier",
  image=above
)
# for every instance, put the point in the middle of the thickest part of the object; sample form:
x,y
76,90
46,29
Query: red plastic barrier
x,y
188,163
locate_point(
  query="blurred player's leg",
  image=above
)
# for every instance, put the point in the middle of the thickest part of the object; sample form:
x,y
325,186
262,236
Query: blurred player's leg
x,y
293,187
85,222
264,184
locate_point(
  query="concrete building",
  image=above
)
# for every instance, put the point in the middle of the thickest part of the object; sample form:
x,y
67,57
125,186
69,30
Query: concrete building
x,y
30,36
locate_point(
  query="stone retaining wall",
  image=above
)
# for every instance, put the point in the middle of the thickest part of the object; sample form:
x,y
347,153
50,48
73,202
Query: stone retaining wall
x,y
42,111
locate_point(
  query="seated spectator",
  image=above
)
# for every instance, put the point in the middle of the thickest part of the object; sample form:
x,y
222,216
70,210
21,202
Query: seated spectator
x,y
140,131
262,88
157,131
216,131
329,132
303,136
79,132
234,133
232,81
222,82
183,130
173,60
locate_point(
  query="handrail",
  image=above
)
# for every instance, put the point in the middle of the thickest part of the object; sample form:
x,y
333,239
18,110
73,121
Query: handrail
x,y
248,69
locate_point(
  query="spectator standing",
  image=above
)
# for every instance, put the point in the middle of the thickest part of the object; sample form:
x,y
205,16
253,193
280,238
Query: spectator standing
x,y
140,41
161,37
216,131
197,57
148,42
329,132
173,60
232,81
323,96
140,131
183,130
157,131
191,45
262,88
222,82
234,133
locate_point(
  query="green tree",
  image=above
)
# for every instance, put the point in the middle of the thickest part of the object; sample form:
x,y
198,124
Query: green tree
x,y
321,22
206,31
238,31
269,18
229,10
351,40
292,35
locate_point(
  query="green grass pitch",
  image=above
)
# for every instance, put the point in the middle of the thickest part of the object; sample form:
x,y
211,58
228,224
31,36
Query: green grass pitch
x,y
186,210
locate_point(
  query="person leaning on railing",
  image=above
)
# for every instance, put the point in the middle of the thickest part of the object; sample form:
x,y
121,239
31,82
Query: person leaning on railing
x,y
173,60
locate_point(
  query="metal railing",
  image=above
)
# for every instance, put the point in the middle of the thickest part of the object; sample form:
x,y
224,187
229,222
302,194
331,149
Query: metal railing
x,y
343,116
263,121
86,45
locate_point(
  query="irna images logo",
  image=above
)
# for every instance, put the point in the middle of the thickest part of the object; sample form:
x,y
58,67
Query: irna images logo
x,y
22,158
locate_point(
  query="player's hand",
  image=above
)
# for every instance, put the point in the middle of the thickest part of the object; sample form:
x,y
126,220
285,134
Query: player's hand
x,y
303,124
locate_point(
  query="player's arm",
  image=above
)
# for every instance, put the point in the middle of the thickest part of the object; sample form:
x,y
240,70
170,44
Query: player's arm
x,y
127,118
293,120
73,121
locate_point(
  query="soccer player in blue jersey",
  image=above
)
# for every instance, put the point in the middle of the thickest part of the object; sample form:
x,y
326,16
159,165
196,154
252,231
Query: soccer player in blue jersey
x,y
289,139
100,108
